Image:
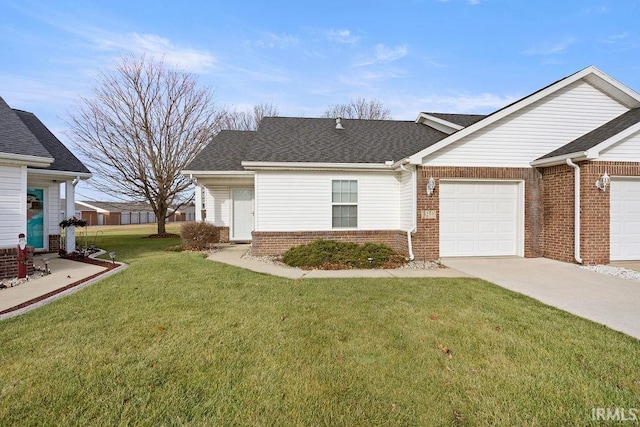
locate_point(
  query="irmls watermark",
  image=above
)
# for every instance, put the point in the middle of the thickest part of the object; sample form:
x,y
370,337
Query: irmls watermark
x,y
615,414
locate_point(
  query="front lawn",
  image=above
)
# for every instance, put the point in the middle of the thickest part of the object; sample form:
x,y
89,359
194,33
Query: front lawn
x,y
176,339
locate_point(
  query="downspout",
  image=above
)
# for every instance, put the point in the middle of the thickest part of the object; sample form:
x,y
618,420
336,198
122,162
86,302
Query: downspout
x,y
413,210
576,215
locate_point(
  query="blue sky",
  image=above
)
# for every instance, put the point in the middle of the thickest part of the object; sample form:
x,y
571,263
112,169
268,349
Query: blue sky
x,y
465,56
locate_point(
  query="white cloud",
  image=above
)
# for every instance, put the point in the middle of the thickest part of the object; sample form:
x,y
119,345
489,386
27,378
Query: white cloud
x,y
157,46
342,36
383,54
273,40
407,107
551,48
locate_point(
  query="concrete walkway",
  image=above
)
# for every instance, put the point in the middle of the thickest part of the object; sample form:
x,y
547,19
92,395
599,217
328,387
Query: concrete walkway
x,y
609,300
234,255
41,290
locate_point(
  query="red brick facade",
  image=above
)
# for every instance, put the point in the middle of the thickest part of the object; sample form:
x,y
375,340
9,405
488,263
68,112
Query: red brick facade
x,y
426,241
276,243
54,243
595,208
9,262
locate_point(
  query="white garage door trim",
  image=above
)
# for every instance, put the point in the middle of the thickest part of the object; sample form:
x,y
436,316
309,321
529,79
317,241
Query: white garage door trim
x,y
624,220
481,218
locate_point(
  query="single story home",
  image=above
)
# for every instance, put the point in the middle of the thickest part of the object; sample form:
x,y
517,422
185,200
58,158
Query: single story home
x,y
555,174
124,213
33,164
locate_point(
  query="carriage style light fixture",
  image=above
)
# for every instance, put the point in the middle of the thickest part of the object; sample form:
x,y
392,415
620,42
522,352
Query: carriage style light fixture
x,y
603,182
431,186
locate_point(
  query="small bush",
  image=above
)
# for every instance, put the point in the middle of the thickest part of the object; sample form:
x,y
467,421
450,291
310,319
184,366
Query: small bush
x,y
333,255
198,235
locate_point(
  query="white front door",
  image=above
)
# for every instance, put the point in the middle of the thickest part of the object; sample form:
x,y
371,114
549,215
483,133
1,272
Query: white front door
x,y
480,218
242,215
625,219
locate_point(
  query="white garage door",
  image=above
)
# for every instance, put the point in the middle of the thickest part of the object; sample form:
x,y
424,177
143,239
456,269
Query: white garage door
x,y
480,219
625,219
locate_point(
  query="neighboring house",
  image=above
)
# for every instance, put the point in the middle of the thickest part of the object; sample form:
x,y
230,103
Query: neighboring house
x,y
33,164
124,213
528,180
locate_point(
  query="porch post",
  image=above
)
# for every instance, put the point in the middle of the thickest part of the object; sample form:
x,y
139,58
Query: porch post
x,y
198,203
70,210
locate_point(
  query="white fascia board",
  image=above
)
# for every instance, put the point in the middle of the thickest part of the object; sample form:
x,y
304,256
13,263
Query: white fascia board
x,y
90,206
622,93
425,118
25,160
594,152
62,175
217,174
500,114
316,166
559,160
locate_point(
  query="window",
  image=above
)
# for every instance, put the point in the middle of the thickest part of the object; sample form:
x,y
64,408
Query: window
x,y
344,201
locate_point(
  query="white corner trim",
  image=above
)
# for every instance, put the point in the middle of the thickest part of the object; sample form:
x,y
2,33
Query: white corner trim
x,y
425,118
25,160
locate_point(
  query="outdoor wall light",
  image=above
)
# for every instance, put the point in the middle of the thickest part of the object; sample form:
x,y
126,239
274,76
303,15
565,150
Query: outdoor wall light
x,y
431,186
603,182
112,255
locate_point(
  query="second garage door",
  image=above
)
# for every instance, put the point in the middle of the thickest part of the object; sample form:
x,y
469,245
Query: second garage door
x,y
625,219
480,218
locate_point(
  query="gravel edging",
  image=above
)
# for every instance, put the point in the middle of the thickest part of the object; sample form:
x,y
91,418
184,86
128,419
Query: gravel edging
x,y
623,273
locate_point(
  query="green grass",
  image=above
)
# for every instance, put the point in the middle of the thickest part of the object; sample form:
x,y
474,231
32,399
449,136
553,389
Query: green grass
x,y
176,339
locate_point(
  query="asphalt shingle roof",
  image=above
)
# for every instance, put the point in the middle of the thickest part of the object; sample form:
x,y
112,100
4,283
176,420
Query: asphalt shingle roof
x,y
15,137
598,135
459,119
225,152
290,139
64,160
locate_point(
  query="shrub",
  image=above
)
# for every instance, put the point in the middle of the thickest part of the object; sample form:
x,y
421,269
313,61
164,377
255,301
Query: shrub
x,y
199,235
333,255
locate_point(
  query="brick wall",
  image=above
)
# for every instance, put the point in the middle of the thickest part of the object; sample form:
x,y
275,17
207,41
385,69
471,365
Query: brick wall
x,y
277,243
595,208
427,238
54,242
224,234
9,262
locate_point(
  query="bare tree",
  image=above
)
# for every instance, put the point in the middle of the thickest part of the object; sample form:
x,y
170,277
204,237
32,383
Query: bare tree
x,y
360,108
144,123
248,120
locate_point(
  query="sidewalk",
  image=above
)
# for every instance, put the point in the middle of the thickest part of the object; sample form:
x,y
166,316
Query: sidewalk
x,y
41,290
233,255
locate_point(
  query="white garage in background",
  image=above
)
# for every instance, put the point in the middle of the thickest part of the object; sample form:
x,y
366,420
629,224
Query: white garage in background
x,y
481,218
625,219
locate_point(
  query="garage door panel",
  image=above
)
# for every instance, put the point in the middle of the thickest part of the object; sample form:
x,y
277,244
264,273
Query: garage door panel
x,y
625,219
479,218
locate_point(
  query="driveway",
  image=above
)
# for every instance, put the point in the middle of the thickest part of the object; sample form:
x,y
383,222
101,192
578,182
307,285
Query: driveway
x,y
605,299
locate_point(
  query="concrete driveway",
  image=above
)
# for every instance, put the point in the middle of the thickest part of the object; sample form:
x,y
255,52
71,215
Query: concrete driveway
x,y
605,299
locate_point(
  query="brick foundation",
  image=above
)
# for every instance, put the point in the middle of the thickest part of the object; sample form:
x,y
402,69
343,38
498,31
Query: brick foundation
x,y
9,262
223,236
54,243
426,243
277,243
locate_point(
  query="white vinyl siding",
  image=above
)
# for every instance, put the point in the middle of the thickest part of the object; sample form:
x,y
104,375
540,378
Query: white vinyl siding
x,y
627,150
13,193
217,202
406,201
301,201
625,219
481,218
534,131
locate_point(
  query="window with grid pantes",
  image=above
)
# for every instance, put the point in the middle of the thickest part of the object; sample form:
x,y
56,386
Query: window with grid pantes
x,y
344,201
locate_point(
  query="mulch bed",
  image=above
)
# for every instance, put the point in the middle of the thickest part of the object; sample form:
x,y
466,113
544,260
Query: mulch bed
x,y
108,265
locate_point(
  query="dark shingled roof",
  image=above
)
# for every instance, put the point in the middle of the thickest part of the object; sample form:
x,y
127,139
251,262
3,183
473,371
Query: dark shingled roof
x,y
225,152
459,119
598,135
15,137
289,139
64,160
